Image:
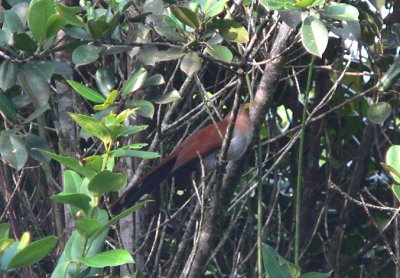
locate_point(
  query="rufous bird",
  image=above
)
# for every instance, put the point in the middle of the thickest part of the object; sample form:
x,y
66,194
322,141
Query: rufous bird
x,y
203,145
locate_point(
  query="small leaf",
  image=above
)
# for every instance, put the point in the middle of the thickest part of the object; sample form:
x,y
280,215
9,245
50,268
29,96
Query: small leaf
x,y
145,108
232,30
23,42
7,107
396,191
221,52
191,63
24,241
272,263
105,80
69,14
54,24
154,80
277,5
135,153
13,150
214,7
109,101
108,258
78,200
8,74
185,16
135,82
39,12
33,252
390,77
86,92
92,126
34,85
86,54
341,11
72,163
379,112
4,230
12,22
392,158
314,36
87,226
106,181
167,98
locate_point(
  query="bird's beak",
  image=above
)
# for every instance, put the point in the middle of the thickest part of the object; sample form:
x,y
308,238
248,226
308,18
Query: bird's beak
x,y
245,106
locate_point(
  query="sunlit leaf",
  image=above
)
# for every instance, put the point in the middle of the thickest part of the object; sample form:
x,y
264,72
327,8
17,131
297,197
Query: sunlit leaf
x,y
191,63
341,11
185,16
108,258
86,92
314,36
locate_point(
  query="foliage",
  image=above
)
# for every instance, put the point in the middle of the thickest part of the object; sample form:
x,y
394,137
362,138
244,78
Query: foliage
x,y
123,70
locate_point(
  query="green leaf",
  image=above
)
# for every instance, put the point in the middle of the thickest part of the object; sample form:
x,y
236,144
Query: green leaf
x,y
109,101
341,11
396,191
135,82
86,54
69,14
314,36
13,150
220,52
231,30
379,112
214,7
12,22
7,107
191,63
106,181
392,158
135,153
34,85
87,226
72,163
8,74
78,200
99,28
273,264
24,241
4,230
39,12
23,42
145,108
168,28
167,98
185,16
308,3
390,77
92,126
38,111
86,92
54,24
155,80
316,275
105,80
108,258
4,244
34,142
277,5
33,252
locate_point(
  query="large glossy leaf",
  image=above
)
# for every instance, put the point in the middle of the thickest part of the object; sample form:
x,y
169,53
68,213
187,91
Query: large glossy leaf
x,y
220,52
105,80
108,258
34,85
106,181
92,126
33,252
390,77
13,150
39,12
392,159
185,16
274,265
8,74
78,200
86,54
72,163
70,14
191,63
7,107
379,112
213,8
87,226
231,30
154,80
135,82
86,92
23,42
145,108
54,24
314,36
12,22
341,11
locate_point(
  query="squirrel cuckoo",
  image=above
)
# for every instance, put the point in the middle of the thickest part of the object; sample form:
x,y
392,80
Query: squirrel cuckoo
x,y
205,144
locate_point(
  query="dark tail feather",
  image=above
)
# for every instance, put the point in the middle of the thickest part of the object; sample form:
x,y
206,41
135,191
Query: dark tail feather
x,y
145,185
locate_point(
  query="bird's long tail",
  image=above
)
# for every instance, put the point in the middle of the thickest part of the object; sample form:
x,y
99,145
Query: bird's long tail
x,y
145,185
